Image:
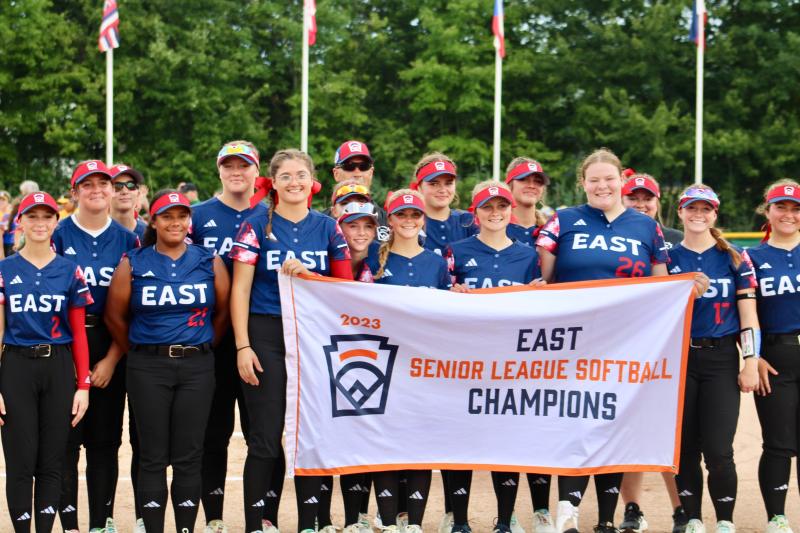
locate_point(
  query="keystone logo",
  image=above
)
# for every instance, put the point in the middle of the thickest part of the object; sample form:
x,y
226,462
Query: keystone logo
x,y
360,370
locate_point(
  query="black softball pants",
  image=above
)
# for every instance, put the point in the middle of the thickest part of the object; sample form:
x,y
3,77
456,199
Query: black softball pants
x,y
710,414
171,398
100,433
779,413
573,489
38,396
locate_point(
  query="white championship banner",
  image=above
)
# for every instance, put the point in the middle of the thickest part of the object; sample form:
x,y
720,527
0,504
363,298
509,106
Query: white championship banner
x,y
576,378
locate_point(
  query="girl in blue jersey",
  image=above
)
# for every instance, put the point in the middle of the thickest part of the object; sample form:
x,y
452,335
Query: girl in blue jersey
x,y
777,263
167,305
598,240
295,240
42,313
490,259
528,183
97,242
713,379
435,178
402,261
642,193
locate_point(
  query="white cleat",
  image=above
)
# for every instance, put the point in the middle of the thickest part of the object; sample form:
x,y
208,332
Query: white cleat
x,y
402,521
363,523
543,522
778,524
724,526
566,517
139,527
446,525
695,526
412,528
216,526
268,527
328,529
514,524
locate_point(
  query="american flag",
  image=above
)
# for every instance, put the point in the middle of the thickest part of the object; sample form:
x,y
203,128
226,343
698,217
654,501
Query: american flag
x,y
109,28
311,13
697,33
497,28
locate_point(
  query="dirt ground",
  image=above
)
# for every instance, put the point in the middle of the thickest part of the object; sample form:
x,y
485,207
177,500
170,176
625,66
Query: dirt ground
x,y
749,516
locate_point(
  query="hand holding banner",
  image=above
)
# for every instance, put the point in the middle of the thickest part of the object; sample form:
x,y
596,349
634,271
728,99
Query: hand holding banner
x,y
572,379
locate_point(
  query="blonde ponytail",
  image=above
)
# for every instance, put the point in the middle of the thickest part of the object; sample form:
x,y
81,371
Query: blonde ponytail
x,y
383,255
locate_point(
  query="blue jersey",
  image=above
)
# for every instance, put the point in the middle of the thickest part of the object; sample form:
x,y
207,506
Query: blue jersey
x,y
425,269
315,241
440,234
98,256
479,266
715,313
778,273
522,234
587,246
37,301
215,226
172,300
141,225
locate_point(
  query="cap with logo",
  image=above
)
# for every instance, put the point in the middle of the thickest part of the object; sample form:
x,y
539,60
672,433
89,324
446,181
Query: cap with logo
x,y
36,199
89,168
405,201
242,151
118,170
484,195
525,169
432,170
167,201
779,193
355,210
641,182
351,149
698,194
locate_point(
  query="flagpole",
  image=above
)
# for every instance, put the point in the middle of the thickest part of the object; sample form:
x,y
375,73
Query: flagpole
x,y
110,106
304,98
498,96
698,135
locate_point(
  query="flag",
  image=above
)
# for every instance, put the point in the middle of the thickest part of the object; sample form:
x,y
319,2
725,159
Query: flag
x,y
497,28
109,28
311,12
699,19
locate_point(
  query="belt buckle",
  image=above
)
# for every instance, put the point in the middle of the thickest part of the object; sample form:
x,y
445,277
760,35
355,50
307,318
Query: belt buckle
x,y
798,339
176,347
38,347
692,344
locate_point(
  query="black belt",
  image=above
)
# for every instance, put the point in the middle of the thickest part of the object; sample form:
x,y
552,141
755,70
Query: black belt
x,y
176,351
713,342
94,321
792,339
38,351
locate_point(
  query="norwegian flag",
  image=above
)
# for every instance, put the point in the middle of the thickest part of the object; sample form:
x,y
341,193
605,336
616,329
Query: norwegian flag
x,y
109,28
311,13
497,28
697,33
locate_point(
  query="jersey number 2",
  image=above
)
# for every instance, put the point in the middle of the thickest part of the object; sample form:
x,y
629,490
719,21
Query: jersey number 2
x,y
54,333
197,319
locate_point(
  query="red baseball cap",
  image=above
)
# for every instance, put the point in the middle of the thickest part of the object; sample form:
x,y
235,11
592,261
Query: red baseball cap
x,y
405,201
641,181
488,193
433,170
169,200
86,169
118,170
35,199
350,149
525,169
787,191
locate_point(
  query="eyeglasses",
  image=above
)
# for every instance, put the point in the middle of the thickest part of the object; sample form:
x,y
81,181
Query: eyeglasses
x,y
350,166
130,185
352,189
300,177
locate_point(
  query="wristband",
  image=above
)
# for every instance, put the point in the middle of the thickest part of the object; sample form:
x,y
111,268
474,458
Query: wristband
x,y
750,342
242,348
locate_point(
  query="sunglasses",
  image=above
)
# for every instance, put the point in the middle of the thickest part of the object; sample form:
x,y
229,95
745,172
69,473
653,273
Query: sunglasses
x,y
130,185
350,189
350,166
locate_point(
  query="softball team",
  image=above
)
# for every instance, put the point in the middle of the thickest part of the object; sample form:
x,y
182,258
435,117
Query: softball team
x,y
166,305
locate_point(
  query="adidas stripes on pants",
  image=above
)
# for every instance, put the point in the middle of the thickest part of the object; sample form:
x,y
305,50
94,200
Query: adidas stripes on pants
x,y
387,493
779,413
573,488
171,398
38,396
710,415
100,433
